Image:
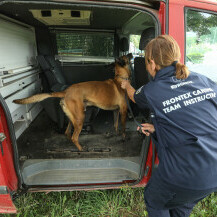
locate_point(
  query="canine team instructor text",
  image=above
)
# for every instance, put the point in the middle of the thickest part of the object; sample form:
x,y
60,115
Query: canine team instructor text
x,y
188,99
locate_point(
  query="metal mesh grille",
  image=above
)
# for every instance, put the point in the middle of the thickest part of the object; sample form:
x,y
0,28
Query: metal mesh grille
x,y
85,44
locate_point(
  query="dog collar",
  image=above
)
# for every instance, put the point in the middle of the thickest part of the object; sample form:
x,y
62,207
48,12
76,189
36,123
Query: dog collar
x,y
127,79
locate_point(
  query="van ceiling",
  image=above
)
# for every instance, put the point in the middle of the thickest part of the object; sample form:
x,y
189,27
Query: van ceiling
x,y
101,18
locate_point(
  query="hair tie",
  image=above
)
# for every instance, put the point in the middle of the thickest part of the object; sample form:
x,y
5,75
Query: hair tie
x,y
174,63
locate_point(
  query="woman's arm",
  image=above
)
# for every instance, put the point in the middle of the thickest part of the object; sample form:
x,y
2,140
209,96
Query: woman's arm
x,y
130,90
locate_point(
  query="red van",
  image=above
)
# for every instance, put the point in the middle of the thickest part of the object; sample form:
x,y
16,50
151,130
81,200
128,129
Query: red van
x,y
45,46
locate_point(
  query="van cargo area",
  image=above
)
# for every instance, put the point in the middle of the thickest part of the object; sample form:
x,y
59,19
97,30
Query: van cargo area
x,y
107,157
46,47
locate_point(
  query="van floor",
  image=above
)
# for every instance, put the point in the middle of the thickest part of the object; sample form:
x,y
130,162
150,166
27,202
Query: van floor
x,y
42,141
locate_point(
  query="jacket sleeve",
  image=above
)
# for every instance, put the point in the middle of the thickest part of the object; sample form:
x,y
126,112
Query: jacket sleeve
x,y
140,98
209,83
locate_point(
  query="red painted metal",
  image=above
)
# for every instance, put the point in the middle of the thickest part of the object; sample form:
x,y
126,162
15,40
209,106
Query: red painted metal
x,y
6,160
8,175
6,204
149,165
162,17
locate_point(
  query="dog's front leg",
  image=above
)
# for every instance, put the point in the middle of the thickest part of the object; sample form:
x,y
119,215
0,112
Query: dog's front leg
x,y
123,112
116,118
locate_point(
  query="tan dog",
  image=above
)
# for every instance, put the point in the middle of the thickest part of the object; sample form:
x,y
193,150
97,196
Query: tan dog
x,y
107,95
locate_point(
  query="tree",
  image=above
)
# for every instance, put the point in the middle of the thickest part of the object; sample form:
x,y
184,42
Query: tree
x,y
200,23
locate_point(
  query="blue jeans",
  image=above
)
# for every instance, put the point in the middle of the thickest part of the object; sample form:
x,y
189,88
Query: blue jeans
x,y
165,200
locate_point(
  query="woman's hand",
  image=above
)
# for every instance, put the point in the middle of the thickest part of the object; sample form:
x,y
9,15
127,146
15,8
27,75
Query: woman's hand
x,y
147,128
130,90
125,84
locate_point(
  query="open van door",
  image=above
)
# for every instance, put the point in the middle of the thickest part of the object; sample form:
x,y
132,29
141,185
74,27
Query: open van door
x,y
8,176
14,119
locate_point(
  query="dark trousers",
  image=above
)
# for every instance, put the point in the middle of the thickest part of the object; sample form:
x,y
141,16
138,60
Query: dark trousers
x,y
165,200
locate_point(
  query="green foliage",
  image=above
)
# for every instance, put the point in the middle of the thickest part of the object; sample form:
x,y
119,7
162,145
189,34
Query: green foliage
x,y
200,22
85,44
195,51
135,39
124,202
201,35
206,208
196,57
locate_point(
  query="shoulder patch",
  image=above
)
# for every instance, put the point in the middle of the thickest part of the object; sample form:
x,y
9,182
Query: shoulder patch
x,y
139,90
174,79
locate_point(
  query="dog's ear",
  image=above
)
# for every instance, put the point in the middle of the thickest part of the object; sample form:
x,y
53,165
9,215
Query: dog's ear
x,y
120,61
110,67
130,56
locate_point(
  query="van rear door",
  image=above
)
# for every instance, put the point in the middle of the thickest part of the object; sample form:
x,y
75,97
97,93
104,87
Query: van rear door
x,y
8,175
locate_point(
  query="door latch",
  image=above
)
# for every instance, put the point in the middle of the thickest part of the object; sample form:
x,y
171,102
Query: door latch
x,y
2,138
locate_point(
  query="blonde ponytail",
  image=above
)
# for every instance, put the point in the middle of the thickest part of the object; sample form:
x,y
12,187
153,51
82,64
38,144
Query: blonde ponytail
x,y
165,51
182,71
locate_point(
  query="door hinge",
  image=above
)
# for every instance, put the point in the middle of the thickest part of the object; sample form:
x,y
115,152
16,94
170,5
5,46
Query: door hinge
x,y
2,138
3,190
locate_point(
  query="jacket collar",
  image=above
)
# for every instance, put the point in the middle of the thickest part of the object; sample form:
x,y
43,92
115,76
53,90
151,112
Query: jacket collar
x,y
165,72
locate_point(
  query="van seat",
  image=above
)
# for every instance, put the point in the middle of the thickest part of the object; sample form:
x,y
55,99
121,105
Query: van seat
x,y
140,72
57,83
142,76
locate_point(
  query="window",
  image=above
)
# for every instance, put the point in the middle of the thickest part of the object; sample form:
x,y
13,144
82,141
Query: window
x,y
134,45
85,44
201,43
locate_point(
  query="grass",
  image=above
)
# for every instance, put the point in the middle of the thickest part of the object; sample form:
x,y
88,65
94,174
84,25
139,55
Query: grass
x,y
125,202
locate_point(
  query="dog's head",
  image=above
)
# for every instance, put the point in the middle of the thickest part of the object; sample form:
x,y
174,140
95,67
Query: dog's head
x,y
124,60
122,69
120,62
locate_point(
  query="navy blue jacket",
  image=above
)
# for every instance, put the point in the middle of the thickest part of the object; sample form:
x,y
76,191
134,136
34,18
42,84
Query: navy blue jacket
x,y
185,120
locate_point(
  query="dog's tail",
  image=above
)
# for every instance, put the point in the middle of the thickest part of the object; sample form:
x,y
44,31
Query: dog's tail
x,y
39,97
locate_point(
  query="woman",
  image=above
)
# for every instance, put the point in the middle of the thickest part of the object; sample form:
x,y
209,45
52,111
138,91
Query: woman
x,y
184,130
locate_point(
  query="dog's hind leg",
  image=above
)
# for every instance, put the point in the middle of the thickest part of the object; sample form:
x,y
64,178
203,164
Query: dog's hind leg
x,y
69,126
78,124
68,130
75,112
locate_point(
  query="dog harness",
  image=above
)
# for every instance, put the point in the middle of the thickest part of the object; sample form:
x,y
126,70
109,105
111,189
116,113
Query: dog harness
x,y
185,120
